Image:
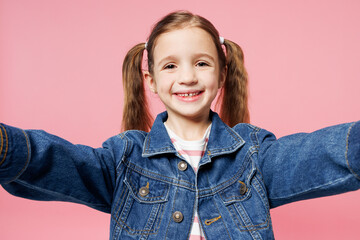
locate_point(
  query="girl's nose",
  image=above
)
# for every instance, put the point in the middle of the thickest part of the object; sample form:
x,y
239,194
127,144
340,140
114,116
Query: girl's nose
x,y
188,76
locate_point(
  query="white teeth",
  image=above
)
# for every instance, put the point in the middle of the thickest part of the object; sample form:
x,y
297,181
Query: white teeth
x,y
188,94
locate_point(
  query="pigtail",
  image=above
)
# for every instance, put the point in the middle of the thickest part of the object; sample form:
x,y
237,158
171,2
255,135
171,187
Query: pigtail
x,y
234,95
136,113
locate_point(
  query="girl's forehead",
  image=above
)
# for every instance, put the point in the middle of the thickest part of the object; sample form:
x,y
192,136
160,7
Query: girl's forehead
x,y
184,40
186,33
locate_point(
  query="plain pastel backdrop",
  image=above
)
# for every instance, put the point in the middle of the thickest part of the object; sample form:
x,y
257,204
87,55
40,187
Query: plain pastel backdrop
x,y
60,70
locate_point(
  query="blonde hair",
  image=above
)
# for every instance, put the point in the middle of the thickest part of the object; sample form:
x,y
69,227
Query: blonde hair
x,y
136,113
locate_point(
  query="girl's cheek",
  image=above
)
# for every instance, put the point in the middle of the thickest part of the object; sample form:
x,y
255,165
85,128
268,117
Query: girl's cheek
x,y
164,88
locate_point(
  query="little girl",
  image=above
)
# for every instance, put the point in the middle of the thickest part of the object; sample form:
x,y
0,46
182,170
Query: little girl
x,y
190,174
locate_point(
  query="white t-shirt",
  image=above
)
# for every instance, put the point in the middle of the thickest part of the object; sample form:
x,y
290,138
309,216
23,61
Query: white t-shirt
x,y
192,151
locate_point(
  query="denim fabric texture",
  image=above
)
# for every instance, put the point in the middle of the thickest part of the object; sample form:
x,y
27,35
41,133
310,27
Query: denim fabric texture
x,y
244,172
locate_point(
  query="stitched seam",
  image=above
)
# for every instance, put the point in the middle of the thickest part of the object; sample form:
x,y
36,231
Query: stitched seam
x,y
254,137
174,182
128,202
199,218
159,215
265,205
346,153
162,205
2,142
149,174
234,212
200,221
222,219
266,221
128,132
262,193
124,151
158,151
232,133
120,222
117,204
258,191
225,150
27,159
237,177
161,196
147,142
6,146
115,216
172,211
235,199
231,180
146,232
192,219
245,226
237,217
242,216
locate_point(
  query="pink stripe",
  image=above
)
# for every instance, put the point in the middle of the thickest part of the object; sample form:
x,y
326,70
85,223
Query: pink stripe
x,y
196,237
195,169
196,220
182,152
194,152
173,140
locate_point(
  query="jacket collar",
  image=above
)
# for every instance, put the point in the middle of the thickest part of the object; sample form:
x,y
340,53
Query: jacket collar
x,y
222,139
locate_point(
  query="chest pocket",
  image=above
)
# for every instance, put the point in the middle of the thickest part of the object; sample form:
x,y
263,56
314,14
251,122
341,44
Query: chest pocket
x,y
140,206
247,203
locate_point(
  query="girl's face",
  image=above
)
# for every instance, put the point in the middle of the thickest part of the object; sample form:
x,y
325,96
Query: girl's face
x,y
186,73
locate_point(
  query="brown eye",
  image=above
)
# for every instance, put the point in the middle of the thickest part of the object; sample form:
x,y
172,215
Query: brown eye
x,y
169,66
202,64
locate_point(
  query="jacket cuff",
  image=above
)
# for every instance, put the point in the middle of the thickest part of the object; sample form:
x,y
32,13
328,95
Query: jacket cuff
x,y
353,149
14,153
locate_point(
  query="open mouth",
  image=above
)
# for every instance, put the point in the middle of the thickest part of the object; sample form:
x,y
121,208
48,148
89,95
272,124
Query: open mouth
x,y
188,94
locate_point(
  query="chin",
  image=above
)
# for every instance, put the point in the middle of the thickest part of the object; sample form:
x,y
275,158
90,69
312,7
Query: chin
x,y
195,115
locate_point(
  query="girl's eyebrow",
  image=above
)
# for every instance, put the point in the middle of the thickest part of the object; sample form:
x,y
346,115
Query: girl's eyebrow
x,y
167,58
204,55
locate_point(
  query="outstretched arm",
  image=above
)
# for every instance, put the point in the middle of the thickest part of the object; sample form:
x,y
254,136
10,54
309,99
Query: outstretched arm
x,y
40,166
309,165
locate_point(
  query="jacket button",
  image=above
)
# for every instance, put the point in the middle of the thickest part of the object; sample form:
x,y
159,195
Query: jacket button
x,y
144,191
182,166
243,188
178,216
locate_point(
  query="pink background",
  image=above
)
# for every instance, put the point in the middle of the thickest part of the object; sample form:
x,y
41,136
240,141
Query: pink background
x,y
60,70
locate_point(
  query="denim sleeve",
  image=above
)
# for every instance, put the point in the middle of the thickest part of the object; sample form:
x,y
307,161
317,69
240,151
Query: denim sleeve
x,y
309,165
40,166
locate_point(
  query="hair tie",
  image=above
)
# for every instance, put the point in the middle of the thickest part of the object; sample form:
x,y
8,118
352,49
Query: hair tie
x,y
146,45
221,40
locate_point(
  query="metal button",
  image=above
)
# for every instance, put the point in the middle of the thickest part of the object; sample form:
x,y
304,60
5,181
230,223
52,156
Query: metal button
x,y
144,191
243,188
178,216
182,166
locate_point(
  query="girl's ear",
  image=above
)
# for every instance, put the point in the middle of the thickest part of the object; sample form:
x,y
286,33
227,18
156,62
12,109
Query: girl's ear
x,y
149,81
223,75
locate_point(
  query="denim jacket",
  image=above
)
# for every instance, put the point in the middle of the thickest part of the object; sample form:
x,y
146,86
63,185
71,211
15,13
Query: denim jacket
x,y
143,182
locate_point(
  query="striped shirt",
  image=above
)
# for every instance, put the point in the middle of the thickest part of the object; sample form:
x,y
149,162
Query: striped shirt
x,y
191,151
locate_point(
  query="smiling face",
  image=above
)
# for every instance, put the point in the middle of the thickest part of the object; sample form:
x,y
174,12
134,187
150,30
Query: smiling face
x,y
186,73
